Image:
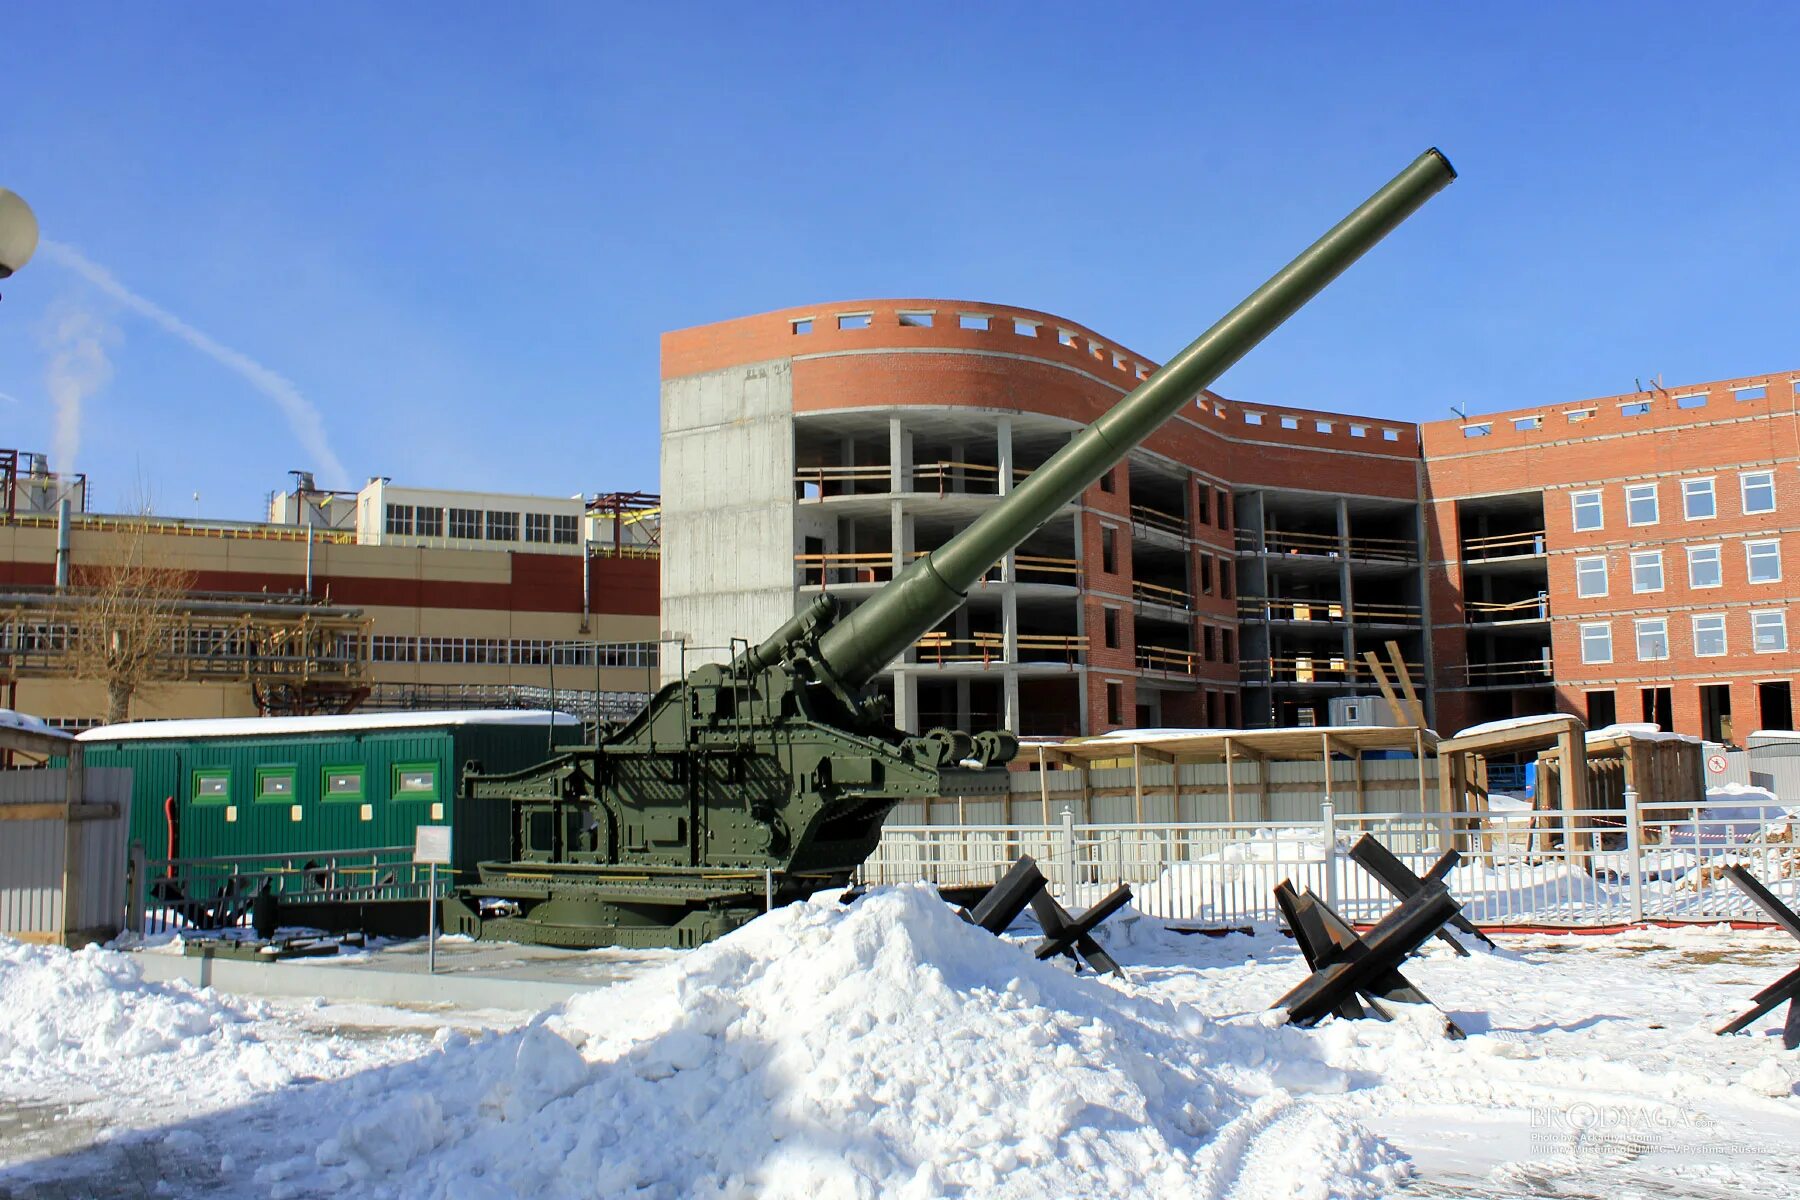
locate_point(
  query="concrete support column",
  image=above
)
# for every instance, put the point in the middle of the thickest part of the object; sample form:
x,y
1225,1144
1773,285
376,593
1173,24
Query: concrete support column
x,y
1004,453
899,456
906,701
964,718
1009,691
1344,582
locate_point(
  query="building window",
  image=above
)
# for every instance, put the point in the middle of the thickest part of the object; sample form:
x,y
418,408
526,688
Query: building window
x,y
415,781
428,522
1227,646
342,784
1223,508
917,320
1768,631
1704,570
1025,328
1106,480
1759,491
1640,504
399,518
212,785
1203,504
1588,512
1590,576
1206,574
537,527
972,321
1115,704
1697,499
1252,418
1652,638
1109,550
1709,634
1596,642
465,523
855,320
1225,592
1763,561
1602,709
1646,571
803,325
503,527
1110,621
1207,649
565,529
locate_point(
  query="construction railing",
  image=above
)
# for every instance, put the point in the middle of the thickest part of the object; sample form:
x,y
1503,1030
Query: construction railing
x,y
1322,668
1167,659
624,550
1329,545
1156,593
1520,868
946,478
826,570
1305,608
1529,543
1502,674
1156,518
1495,612
940,649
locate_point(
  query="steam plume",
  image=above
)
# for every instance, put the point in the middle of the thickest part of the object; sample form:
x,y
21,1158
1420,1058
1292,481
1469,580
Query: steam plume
x,y
302,417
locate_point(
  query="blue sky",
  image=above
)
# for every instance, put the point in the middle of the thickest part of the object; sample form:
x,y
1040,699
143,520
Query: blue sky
x,y
455,232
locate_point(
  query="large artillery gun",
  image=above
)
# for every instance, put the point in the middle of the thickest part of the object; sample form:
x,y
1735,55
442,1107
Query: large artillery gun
x,y
764,779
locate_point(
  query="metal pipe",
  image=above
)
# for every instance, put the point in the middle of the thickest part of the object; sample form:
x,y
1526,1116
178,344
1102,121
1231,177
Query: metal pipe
x,y
62,544
865,641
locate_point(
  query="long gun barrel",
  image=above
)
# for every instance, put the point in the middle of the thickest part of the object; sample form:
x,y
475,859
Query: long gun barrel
x,y
867,639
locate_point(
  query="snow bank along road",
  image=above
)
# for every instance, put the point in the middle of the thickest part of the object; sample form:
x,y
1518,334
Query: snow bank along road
x,y
889,1049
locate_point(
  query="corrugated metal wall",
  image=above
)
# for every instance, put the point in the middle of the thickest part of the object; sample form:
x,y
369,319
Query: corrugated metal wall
x,y
32,854
308,820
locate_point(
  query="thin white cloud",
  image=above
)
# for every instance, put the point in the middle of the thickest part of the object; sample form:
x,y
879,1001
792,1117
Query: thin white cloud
x,y
302,416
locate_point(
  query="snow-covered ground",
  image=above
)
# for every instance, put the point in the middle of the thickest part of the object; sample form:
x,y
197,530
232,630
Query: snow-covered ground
x,y
889,1049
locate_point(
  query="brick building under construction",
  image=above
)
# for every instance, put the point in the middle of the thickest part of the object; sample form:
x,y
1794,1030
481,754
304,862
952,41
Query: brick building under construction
x,y
1620,558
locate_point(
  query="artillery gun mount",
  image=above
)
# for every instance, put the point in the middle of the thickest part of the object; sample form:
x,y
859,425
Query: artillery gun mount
x,y
765,779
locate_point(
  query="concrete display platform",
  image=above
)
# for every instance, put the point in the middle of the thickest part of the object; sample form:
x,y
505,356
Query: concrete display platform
x,y
493,975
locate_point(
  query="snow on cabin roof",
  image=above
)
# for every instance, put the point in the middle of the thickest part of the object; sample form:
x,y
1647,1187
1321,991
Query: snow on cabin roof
x,y
1513,723
348,723
10,719
1774,735
1642,731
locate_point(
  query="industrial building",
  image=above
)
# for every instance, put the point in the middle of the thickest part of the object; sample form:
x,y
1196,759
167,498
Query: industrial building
x,y
1237,567
376,599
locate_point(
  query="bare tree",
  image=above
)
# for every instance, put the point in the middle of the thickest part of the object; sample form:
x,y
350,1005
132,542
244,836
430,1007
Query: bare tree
x,y
126,615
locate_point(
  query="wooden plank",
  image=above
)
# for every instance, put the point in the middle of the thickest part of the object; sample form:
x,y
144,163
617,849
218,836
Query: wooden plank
x,y
1405,679
1230,784
1387,689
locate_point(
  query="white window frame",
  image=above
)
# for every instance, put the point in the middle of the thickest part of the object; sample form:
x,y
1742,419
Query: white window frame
x,y
1645,557
1590,560
1575,504
1691,488
1656,627
1715,622
1750,548
1718,556
1780,622
1635,492
1744,485
1588,655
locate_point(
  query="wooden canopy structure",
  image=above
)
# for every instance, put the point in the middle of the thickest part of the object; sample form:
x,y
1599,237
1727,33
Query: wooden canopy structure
x,y
1230,746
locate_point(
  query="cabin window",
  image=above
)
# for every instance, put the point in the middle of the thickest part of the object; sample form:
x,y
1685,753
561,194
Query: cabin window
x,y
342,784
212,786
415,781
275,785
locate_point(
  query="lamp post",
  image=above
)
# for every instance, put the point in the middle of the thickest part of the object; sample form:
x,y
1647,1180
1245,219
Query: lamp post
x,y
18,232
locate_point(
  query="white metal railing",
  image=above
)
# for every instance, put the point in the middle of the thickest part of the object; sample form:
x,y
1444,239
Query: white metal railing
x,y
1653,863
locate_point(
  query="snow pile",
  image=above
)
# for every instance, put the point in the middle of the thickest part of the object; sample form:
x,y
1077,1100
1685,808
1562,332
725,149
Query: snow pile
x,y
89,1015
881,1049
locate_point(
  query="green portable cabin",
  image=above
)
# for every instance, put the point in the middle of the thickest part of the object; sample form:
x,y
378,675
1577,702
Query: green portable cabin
x,y
312,786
